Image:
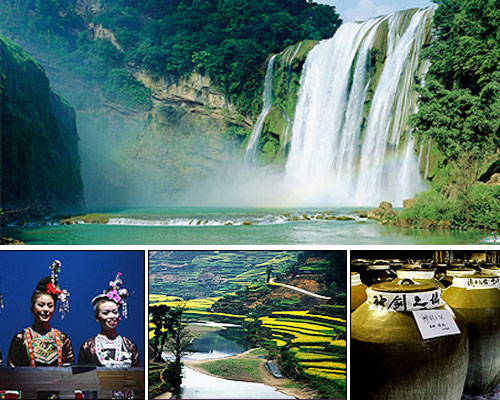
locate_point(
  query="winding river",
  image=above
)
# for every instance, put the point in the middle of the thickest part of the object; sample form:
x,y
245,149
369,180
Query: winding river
x,y
197,385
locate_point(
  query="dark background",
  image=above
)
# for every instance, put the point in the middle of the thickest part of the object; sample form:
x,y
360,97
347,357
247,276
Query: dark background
x,y
85,274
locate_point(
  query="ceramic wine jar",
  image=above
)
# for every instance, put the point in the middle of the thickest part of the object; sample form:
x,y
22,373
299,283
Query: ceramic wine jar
x,y
377,273
456,271
359,265
358,291
490,269
389,358
477,299
418,274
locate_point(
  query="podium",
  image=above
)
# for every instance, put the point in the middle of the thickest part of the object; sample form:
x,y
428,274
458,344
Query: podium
x,y
66,380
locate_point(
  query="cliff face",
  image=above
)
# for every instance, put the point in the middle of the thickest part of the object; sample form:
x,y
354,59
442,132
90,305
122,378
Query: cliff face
x,y
196,93
40,165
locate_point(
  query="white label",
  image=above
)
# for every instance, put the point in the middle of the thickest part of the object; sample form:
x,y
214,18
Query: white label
x,y
403,301
435,323
476,283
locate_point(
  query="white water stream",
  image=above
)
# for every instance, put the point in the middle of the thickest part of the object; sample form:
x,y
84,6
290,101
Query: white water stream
x,y
252,145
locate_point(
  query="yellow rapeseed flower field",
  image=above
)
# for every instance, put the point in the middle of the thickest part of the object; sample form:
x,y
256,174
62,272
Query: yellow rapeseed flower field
x,y
279,342
305,356
306,314
323,364
311,326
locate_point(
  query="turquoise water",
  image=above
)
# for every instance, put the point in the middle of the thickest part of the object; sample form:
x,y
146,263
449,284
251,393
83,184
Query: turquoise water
x,y
224,226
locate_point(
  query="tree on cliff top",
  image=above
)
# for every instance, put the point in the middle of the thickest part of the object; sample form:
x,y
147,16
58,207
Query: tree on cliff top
x,y
459,107
227,39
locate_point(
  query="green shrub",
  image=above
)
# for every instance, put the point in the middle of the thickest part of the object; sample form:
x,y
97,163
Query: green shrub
x,y
122,87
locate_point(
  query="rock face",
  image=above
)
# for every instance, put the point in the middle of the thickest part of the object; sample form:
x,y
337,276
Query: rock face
x,y
382,213
40,163
494,180
100,32
195,92
409,203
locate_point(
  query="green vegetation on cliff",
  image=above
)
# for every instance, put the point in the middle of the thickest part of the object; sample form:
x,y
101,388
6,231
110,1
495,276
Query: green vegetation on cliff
x,y
229,40
40,163
459,112
276,130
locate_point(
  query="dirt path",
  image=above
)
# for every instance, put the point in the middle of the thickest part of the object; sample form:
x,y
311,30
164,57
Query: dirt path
x,y
318,296
265,377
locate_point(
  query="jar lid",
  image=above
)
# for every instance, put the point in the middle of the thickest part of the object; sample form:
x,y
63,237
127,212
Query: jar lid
x,y
376,267
405,286
359,261
415,273
355,279
405,295
460,271
477,281
457,264
489,265
490,271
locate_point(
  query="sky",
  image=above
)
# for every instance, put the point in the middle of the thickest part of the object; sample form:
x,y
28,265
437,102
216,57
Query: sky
x,y
360,10
85,274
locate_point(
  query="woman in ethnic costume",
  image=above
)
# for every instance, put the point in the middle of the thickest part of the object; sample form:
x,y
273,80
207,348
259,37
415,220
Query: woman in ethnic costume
x,y
40,344
108,349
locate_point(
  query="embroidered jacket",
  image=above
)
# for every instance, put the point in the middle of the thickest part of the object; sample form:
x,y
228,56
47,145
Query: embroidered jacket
x,y
128,356
29,348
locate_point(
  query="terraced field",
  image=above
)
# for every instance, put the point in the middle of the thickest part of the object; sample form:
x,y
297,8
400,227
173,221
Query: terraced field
x,y
198,274
194,310
316,343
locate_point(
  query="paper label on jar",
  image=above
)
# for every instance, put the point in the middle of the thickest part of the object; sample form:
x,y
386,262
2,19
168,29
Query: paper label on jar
x,y
435,323
476,283
403,301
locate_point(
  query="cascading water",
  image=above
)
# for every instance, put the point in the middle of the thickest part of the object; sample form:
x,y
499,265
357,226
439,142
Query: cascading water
x,y
342,152
251,149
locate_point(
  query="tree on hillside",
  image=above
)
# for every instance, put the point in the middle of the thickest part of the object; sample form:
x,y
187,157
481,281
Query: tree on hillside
x,y
459,105
172,334
163,321
269,270
177,344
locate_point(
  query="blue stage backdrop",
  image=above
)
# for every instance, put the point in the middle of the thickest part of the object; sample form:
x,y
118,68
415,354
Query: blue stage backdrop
x,y
85,274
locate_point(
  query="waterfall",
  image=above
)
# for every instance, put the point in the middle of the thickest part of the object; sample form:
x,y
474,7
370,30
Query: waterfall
x,y
267,100
342,151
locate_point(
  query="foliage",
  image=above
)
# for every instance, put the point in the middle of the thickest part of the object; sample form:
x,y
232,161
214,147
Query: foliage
x,y
459,106
435,209
247,369
227,39
39,140
431,206
485,207
122,87
460,103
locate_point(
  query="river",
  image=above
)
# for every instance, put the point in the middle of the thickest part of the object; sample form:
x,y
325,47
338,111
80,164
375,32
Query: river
x,y
212,226
201,386
197,385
